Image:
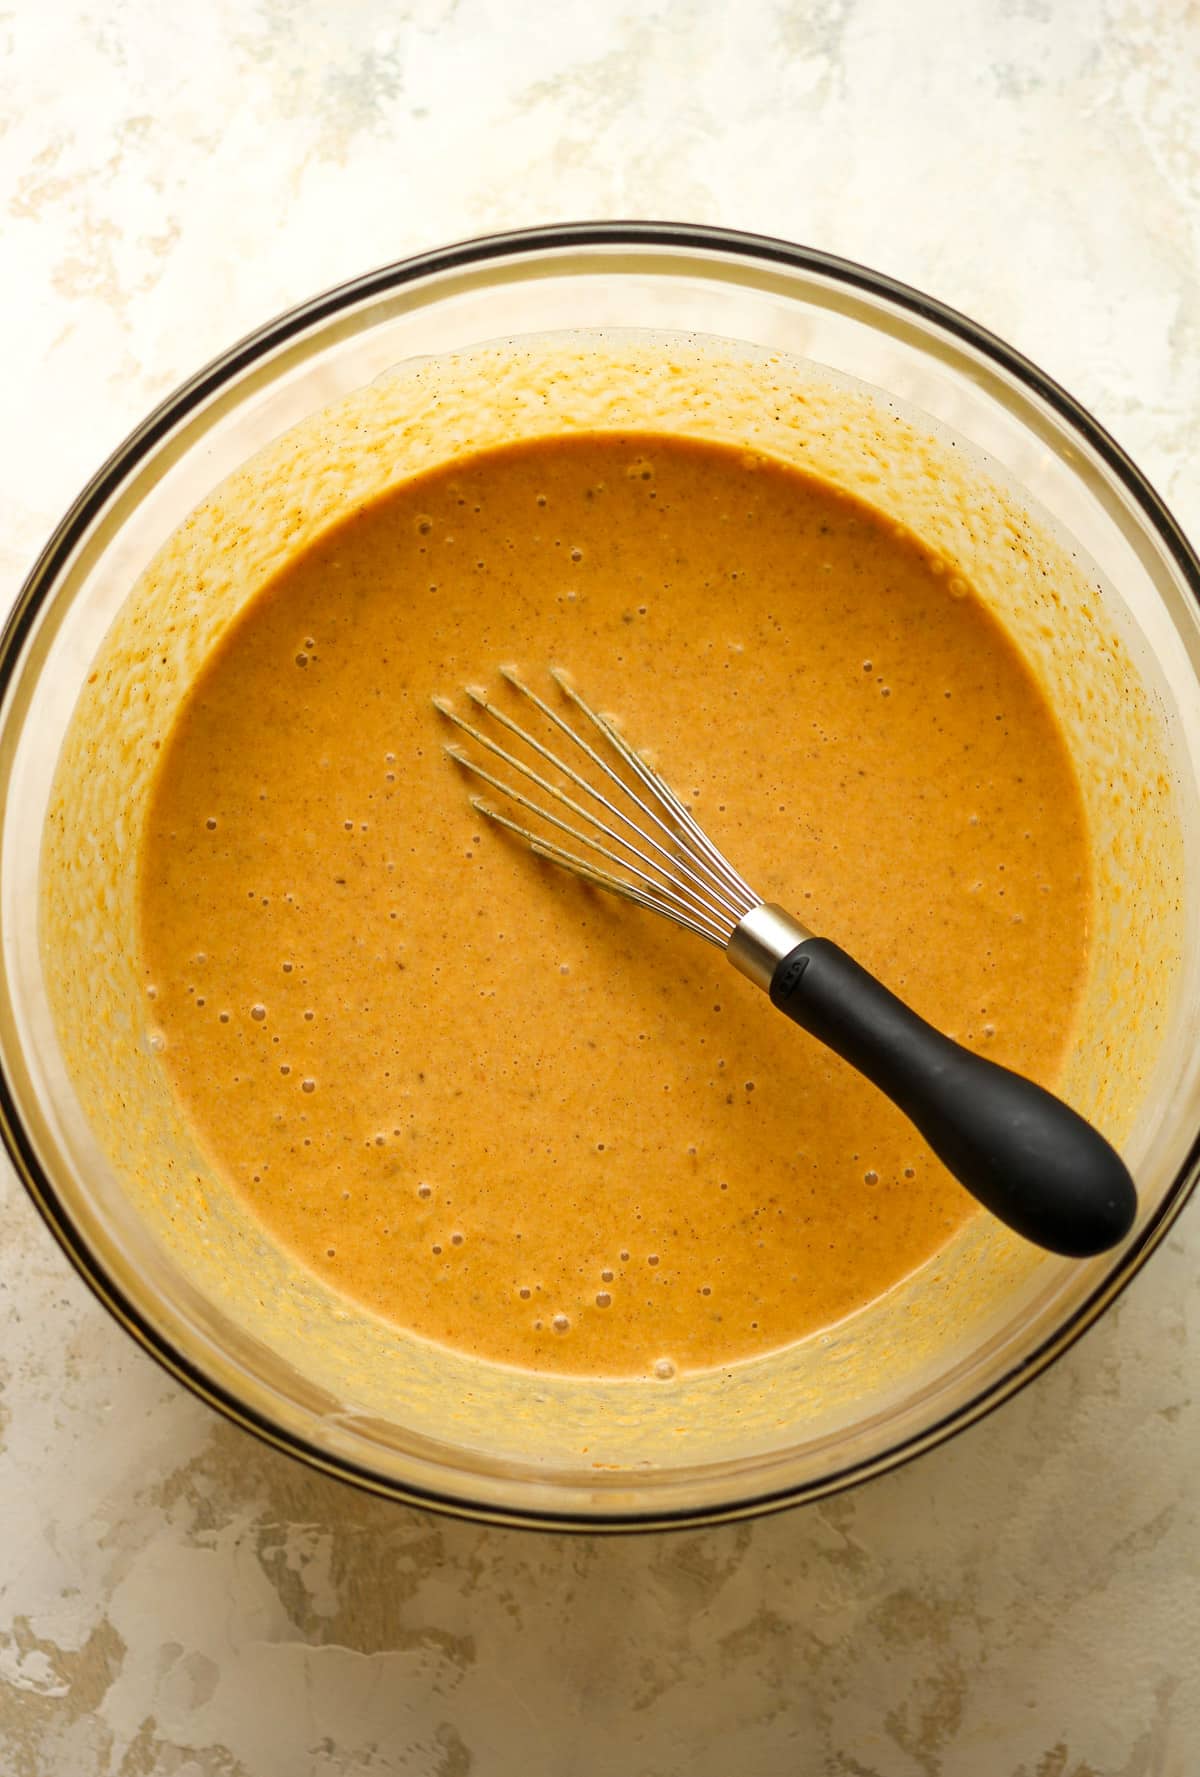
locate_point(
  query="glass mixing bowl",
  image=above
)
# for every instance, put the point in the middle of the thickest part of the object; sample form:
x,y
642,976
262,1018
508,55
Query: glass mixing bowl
x,y
668,280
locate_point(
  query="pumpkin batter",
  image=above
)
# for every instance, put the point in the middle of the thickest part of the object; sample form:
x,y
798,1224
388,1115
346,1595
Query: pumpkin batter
x,y
504,1111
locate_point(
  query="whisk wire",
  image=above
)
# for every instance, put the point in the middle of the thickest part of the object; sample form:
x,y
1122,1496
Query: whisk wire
x,y
699,891
697,903
719,865
548,849
558,854
724,878
710,884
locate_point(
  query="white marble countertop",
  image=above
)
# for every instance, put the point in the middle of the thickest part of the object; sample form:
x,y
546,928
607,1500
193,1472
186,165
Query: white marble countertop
x,y
176,1599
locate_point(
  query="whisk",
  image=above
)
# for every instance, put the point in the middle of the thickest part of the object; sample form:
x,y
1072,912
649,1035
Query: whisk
x,y
1024,1154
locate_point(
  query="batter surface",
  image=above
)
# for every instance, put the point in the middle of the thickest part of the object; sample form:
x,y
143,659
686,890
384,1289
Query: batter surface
x,y
509,1113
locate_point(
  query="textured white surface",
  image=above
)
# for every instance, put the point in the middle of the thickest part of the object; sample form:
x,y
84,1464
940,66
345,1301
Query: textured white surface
x,y
176,1599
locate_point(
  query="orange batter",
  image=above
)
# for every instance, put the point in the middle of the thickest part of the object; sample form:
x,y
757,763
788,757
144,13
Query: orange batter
x,y
509,1113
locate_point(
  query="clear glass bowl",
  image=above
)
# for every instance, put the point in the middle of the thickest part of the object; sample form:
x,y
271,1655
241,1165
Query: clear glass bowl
x,y
614,276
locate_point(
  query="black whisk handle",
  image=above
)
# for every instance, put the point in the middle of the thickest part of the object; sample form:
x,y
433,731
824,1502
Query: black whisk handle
x,y
1027,1156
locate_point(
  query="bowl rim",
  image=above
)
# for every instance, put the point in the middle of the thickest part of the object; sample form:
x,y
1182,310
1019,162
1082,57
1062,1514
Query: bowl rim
x,y
23,616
